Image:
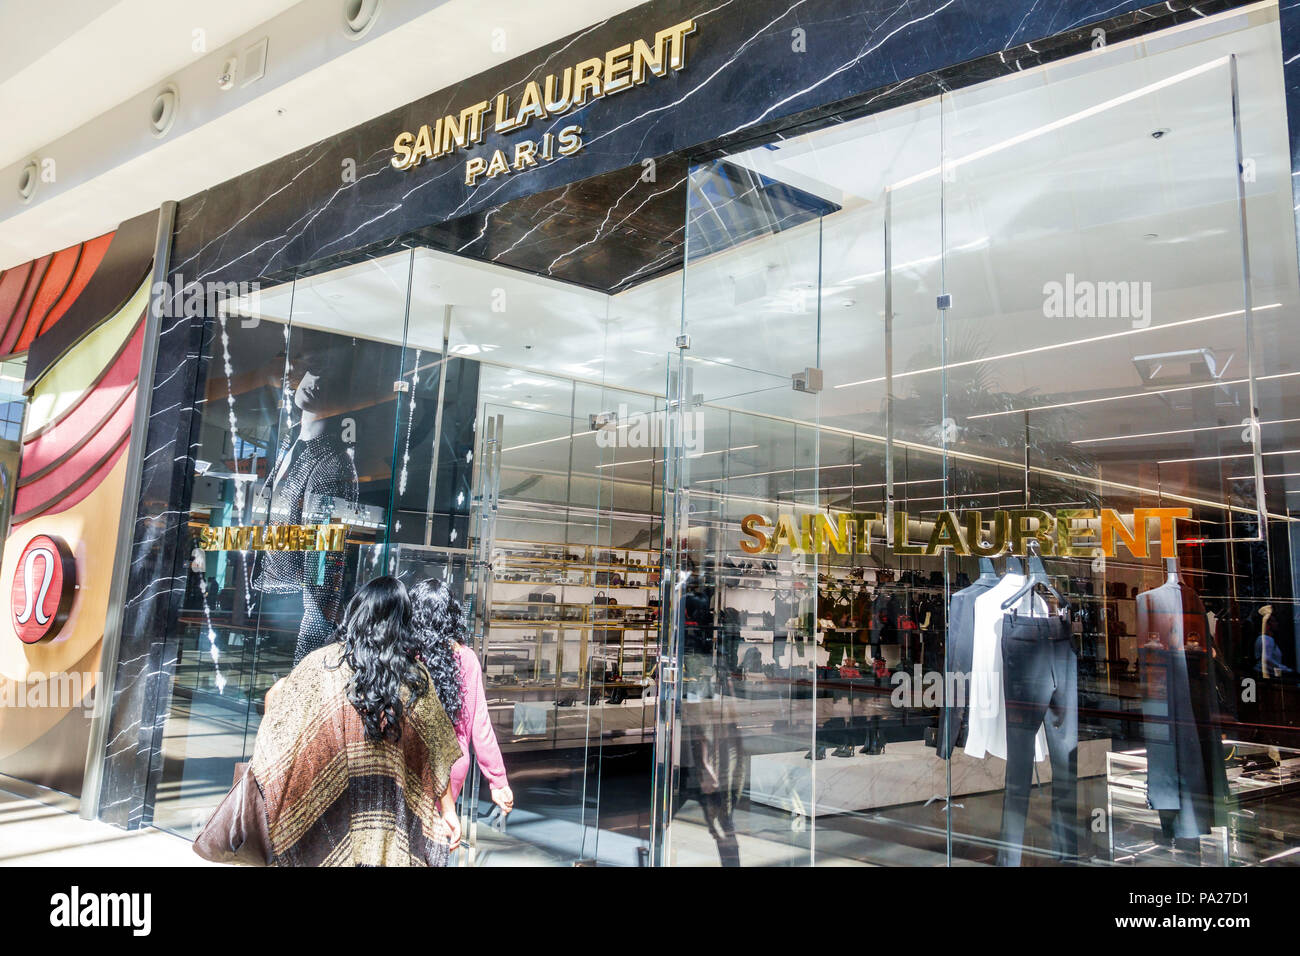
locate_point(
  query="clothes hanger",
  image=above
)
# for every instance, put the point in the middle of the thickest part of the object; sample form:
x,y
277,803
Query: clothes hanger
x,y
1037,578
1013,565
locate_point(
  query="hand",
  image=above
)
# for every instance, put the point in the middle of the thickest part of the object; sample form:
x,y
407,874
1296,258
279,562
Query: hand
x,y
503,798
451,824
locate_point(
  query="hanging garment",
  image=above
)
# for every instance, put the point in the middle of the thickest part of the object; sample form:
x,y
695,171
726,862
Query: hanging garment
x,y
1041,680
961,640
987,719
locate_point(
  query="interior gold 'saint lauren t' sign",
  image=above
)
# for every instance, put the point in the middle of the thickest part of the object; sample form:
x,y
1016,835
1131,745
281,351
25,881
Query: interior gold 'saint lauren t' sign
x,y
1070,533
621,68
274,537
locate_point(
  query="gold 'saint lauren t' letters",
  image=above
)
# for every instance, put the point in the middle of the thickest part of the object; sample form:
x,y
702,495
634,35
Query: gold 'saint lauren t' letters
x,y
1070,533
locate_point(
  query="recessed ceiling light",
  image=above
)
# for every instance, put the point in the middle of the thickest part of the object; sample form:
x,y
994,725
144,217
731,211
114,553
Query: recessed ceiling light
x,y
1160,133
162,112
28,180
358,17
1150,236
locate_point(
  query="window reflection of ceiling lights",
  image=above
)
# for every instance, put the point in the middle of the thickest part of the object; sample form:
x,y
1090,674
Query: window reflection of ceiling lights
x,y
878,484
914,264
973,494
1180,431
636,416
1182,366
1117,398
703,454
1062,345
781,471
1245,454
1062,122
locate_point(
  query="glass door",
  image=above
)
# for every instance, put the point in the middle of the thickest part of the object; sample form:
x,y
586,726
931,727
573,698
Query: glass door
x,y
738,696
805,622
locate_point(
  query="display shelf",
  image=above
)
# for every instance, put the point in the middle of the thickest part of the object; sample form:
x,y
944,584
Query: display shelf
x,y
588,592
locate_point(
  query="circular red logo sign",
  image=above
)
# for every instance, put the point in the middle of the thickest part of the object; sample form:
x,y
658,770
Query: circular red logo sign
x,y
44,584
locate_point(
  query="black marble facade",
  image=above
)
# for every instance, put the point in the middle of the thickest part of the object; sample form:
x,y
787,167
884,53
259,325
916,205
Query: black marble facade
x,y
744,81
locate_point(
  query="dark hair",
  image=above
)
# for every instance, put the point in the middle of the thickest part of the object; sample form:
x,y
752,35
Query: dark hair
x,y
378,646
438,625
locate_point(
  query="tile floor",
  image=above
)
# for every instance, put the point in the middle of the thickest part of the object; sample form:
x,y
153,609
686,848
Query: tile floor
x,y
36,833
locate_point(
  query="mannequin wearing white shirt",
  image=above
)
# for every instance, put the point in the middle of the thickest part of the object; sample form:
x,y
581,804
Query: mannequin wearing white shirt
x,y
987,732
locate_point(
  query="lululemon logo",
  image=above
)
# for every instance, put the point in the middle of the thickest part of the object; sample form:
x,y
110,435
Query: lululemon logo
x,y
44,584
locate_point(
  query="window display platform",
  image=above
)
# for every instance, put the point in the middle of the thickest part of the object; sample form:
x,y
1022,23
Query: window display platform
x,y
907,772
1262,810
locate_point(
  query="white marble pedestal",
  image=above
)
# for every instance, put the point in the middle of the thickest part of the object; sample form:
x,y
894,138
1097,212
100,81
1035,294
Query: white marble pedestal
x,y
907,772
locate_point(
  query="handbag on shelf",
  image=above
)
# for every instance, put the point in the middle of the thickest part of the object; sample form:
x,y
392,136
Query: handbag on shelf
x,y
606,607
238,832
537,602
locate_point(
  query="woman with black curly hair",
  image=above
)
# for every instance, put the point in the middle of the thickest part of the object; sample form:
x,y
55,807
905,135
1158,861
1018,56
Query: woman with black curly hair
x,y
438,626
346,735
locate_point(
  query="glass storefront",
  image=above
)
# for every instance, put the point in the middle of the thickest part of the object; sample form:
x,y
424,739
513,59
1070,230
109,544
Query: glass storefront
x,y
910,490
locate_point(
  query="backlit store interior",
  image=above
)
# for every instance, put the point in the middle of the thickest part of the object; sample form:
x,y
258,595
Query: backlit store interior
x,y
568,405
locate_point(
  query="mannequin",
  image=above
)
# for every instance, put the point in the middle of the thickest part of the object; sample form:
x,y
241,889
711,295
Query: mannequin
x,y
313,477
1268,656
1186,780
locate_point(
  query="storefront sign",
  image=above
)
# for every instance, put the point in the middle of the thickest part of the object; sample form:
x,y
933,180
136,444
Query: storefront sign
x,y
274,537
42,589
1070,532
621,68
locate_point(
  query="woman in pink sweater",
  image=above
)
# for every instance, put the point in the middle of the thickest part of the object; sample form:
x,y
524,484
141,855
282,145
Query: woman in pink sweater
x,y
438,623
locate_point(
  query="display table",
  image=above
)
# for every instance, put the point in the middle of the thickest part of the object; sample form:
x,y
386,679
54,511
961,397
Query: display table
x,y
907,772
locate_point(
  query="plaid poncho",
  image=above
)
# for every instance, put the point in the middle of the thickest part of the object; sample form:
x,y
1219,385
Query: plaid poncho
x,y
334,798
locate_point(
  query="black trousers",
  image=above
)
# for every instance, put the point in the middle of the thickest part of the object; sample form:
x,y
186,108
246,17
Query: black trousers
x,y
1040,678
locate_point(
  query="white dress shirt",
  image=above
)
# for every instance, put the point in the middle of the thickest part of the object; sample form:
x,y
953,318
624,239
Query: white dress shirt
x,y
987,733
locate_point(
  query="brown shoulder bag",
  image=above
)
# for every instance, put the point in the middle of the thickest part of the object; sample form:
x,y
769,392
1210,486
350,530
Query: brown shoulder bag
x,y
237,831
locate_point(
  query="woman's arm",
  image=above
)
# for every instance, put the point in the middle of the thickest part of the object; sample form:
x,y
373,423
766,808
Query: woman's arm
x,y
447,804
486,749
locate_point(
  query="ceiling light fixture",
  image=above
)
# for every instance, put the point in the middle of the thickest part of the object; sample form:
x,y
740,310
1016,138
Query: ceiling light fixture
x,y
162,112
358,17
28,180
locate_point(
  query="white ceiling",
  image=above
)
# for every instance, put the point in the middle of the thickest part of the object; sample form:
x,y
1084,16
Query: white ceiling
x,y
77,87
75,59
